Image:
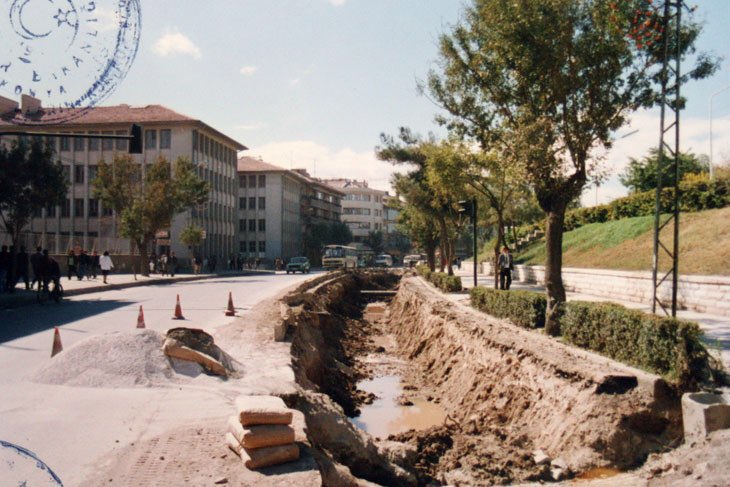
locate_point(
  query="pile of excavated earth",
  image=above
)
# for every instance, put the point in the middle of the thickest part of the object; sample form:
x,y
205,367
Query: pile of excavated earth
x,y
511,406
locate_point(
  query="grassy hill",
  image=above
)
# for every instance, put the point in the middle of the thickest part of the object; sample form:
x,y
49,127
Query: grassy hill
x,y
704,241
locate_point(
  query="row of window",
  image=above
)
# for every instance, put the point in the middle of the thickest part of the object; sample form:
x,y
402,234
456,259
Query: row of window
x,y
250,202
79,145
357,211
252,225
211,148
252,246
251,180
82,207
359,225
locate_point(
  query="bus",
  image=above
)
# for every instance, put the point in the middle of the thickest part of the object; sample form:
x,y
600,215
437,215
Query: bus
x,y
339,257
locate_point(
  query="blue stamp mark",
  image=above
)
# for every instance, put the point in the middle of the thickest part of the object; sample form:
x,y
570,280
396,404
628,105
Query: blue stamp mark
x,y
71,54
21,467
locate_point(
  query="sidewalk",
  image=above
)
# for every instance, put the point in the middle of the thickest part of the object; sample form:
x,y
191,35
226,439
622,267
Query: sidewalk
x,y
716,328
74,287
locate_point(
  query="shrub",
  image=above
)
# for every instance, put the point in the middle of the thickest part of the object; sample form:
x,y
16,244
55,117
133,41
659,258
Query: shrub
x,y
424,271
523,308
445,282
665,346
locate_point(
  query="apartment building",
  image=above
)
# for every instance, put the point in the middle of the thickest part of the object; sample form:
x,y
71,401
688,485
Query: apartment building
x,y
83,220
275,206
363,208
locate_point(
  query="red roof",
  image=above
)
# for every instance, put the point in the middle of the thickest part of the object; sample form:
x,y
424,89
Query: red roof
x,y
251,164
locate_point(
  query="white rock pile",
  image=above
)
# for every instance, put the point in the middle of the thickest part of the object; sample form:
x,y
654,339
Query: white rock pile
x,y
261,432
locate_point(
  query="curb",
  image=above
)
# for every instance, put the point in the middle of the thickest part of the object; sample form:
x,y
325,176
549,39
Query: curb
x,y
29,298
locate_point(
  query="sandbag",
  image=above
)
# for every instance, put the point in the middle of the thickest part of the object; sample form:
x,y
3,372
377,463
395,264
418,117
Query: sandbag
x,y
255,458
254,410
260,436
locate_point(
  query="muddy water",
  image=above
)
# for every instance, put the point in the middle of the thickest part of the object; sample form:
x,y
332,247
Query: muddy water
x,y
386,415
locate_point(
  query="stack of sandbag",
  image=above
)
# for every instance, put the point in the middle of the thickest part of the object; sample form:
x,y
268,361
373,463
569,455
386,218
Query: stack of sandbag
x,y
261,433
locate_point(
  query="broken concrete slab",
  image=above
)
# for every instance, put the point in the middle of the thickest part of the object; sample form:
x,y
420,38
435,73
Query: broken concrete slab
x,y
172,348
703,413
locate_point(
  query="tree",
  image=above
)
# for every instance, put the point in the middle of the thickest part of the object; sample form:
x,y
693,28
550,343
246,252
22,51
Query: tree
x,y
192,236
317,235
148,204
31,181
640,175
549,82
375,241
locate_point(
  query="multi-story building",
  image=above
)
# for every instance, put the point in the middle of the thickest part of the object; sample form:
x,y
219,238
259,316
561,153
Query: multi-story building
x,y
390,216
362,208
83,220
275,206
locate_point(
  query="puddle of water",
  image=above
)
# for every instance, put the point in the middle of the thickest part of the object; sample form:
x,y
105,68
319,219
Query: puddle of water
x,y
385,416
599,473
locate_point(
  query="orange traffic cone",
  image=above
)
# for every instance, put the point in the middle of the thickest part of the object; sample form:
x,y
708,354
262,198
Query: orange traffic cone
x,y
231,311
140,318
57,347
178,310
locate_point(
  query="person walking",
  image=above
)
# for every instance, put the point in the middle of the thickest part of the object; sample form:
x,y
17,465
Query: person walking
x,y
94,264
81,265
505,265
106,264
21,268
71,264
5,263
35,263
173,264
163,264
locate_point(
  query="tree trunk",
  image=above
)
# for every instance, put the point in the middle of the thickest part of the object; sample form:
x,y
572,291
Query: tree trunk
x,y
144,260
500,241
553,268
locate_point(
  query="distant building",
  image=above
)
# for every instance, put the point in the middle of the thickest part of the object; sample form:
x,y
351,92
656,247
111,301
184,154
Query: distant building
x,y
390,220
362,208
83,220
275,206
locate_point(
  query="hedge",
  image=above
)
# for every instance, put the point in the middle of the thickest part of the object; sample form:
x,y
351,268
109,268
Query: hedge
x,y
665,346
441,280
523,308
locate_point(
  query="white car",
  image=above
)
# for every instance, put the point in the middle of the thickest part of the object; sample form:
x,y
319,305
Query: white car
x,y
383,260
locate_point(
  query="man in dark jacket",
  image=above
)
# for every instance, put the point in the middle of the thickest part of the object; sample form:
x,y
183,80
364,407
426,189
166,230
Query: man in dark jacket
x,y
35,262
505,265
21,268
4,268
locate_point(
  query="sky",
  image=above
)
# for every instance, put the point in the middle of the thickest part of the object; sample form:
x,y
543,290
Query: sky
x,y
313,83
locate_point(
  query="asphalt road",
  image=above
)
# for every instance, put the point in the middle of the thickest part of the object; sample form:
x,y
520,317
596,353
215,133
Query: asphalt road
x,y
71,428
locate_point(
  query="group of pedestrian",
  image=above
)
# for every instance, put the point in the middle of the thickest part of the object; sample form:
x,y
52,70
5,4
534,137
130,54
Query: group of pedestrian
x,y
13,268
79,264
164,264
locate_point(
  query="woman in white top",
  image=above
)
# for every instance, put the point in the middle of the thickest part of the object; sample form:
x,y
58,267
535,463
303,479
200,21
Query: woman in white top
x,y
106,264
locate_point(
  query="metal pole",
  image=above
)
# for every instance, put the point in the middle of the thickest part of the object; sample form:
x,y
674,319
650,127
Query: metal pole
x,y
474,222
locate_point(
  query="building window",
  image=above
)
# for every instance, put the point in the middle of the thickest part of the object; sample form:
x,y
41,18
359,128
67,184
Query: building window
x,y
195,140
252,247
165,138
252,181
93,171
67,172
241,246
78,207
65,144
262,203
241,225
79,145
252,225
242,203
241,181
150,139
107,211
93,207
107,144
262,246
262,181
252,203
93,143
79,174
206,145
121,143
262,225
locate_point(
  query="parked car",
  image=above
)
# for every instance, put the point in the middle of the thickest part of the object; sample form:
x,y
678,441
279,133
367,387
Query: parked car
x,y
383,260
412,260
298,264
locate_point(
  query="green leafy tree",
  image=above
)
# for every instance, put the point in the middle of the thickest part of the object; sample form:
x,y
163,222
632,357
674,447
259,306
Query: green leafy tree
x,y
317,235
192,236
549,82
641,175
148,204
375,241
31,181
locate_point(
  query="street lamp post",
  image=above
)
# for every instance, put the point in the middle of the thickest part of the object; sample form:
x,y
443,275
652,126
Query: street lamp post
x,y
712,96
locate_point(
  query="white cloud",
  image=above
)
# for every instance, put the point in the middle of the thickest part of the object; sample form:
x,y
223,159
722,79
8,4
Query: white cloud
x,y
294,82
330,162
694,137
248,70
251,126
173,43
337,3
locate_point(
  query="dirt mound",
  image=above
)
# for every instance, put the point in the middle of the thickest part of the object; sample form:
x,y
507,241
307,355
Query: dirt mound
x,y
122,359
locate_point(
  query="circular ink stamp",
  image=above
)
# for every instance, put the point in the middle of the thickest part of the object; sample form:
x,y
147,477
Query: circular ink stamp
x,y
19,466
70,54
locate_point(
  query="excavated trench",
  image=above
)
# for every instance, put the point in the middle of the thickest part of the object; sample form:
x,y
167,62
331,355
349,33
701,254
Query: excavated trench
x,y
413,389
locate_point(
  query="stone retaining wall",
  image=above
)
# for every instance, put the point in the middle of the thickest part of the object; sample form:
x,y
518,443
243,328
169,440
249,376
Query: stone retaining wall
x,y
705,294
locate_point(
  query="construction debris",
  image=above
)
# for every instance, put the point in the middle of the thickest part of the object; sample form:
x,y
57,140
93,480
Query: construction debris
x,y
196,346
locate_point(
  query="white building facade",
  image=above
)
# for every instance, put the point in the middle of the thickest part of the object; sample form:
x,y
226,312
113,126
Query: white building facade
x,y
363,208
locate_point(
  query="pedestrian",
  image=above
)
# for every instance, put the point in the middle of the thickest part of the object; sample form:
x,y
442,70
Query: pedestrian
x,y
5,263
49,270
81,264
21,268
94,263
106,264
505,265
256,263
197,262
71,263
35,263
173,264
163,264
